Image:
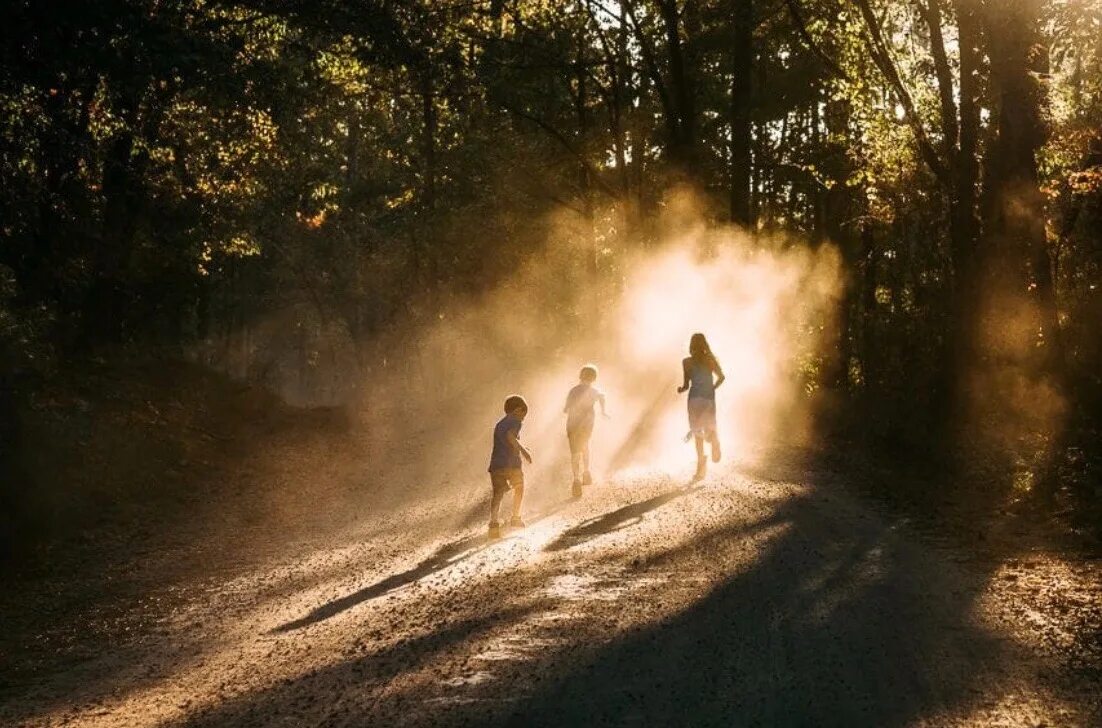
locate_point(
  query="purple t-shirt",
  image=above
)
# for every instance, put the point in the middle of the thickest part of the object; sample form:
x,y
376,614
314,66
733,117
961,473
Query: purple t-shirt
x,y
503,456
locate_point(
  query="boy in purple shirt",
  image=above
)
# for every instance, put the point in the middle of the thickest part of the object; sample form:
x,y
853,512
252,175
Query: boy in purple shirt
x,y
505,462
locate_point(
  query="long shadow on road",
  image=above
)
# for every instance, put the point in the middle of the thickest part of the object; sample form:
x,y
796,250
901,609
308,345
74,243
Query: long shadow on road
x,y
819,614
836,622
616,520
338,694
446,556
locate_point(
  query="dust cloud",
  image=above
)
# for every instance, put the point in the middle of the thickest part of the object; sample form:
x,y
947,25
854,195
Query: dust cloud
x,y
1015,413
766,305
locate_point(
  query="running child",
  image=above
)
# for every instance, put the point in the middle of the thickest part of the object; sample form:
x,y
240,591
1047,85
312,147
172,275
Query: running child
x,y
702,375
505,463
579,424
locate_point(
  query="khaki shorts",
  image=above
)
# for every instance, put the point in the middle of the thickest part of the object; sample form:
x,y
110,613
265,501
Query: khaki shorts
x,y
578,437
506,479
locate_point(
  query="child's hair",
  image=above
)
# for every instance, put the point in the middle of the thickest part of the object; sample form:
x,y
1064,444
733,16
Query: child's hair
x,y
588,373
699,349
514,401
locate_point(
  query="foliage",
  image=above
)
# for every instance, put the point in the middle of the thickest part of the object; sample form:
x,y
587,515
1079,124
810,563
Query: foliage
x,y
173,171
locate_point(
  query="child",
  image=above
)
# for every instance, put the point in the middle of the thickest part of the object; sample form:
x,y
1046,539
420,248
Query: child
x,y
699,368
505,465
579,424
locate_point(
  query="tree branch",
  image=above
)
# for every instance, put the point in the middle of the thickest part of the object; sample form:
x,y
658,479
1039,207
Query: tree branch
x,y
883,60
562,140
931,9
649,61
801,27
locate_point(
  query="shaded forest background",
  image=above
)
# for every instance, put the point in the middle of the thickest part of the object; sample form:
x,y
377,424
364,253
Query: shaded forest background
x,y
287,191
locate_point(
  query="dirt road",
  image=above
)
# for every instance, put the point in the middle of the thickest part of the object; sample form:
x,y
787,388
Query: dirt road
x,y
756,598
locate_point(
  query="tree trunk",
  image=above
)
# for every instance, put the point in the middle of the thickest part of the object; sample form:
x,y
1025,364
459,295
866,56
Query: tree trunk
x,y
870,362
428,136
682,144
1014,206
842,204
742,57
123,176
621,70
585,182
964,226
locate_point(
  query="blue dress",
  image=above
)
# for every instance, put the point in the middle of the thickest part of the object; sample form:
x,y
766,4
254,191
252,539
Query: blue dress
x,y
702,397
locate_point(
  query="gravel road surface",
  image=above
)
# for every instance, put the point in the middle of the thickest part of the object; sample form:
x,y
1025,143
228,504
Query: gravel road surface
x,y
762,596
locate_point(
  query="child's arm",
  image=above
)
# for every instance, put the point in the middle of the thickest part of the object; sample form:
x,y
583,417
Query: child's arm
x,y
685,373
720,376
601,399
511,438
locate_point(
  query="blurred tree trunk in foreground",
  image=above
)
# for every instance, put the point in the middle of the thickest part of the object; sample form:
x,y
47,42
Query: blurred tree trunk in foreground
x,y
1014,207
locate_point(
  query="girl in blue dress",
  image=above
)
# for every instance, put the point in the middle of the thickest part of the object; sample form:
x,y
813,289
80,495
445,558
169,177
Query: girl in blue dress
x,y
702,376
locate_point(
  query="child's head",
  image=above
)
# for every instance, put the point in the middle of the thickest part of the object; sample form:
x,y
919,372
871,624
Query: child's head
x,y
698,347
516,406
588,374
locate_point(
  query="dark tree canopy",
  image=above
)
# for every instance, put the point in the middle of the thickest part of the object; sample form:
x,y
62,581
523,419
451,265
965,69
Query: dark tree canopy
x,y
174,170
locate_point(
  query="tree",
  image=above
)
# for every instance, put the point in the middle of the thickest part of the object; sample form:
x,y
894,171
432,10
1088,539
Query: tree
x,y
1014,208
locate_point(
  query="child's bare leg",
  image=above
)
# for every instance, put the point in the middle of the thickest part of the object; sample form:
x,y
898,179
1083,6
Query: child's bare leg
x,y
701,460
518,496
495,505
576,467
585,464
713,438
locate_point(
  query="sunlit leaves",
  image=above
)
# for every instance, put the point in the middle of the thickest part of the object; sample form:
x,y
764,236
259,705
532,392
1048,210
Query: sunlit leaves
x,y
280,140
340,66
